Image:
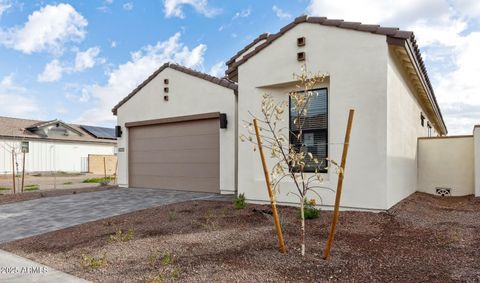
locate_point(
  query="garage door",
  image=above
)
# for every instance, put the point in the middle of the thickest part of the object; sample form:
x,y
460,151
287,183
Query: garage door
x,y
175,156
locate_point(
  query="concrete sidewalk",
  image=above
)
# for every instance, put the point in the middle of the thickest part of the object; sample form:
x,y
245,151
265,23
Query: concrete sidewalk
x,y
14,268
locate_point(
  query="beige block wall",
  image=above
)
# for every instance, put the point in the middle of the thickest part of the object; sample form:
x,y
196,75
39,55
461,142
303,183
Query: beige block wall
x,y
447,163
99,164
476,136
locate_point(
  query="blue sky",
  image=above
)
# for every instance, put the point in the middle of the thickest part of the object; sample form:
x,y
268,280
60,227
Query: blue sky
x,y
74,60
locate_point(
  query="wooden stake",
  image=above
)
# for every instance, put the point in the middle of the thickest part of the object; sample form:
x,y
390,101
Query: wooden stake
x,y
23,171
105,168
281,242
13,171
336,210
115,172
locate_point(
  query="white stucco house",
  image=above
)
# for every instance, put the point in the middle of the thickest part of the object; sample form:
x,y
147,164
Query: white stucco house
x,y
181,128
52,145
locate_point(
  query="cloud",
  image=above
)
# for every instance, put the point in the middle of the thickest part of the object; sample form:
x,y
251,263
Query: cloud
x,y
14,101
47,29
447,33
242,14
280,13
87,59
4,6
128,6
52,72
174,8
125,77
218,70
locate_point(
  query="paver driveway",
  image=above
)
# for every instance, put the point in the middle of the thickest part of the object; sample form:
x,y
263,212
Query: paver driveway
x,y
28,218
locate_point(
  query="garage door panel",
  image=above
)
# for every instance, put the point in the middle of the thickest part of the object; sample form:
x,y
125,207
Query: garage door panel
x,y
173,183
178,156
209,141
193,156
192,128
186,170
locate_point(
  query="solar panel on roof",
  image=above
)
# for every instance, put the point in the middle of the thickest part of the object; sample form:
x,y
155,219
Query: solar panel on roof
x,y
100,132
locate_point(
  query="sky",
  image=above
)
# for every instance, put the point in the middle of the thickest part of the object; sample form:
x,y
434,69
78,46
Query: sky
x,y
74,60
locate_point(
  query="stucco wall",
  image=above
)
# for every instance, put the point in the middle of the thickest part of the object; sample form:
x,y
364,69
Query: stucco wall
x,y
188,95
476,135
357,67
446,163
52,156
403,129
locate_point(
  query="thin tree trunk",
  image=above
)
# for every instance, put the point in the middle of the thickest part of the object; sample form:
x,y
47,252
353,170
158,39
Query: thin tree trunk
x,y
13,172
302,236
23,172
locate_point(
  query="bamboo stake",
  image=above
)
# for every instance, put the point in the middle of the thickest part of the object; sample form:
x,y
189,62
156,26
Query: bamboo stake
x,y
281,242
13,171
23,172
336,210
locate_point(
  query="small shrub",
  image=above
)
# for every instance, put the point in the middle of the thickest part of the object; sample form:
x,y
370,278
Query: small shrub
x,y
67,183
309,209
4,189
94,263
175,273
30,188
239,202
121,236
172,215
167,259
98,180
153,258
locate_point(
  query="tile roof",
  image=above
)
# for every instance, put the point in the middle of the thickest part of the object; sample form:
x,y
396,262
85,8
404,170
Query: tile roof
x,y
219,81
17,128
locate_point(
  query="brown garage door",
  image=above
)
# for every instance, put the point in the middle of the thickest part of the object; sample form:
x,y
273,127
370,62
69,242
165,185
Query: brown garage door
x,y
176,156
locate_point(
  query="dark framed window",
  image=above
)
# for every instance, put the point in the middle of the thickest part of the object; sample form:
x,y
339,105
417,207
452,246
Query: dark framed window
x,y
314,137
429,127
422,119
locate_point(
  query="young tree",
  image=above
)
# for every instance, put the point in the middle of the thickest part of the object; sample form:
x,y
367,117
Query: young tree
x,y
286,144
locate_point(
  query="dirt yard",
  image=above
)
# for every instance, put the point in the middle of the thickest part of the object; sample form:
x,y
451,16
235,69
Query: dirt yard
x,y
47,181
10,198
424,238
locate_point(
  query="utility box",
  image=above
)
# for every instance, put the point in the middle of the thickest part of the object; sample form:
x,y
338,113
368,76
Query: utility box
x,y
25,146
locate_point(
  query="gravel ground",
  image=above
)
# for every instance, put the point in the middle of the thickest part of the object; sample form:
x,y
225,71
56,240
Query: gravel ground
x,y
10,198
47,181
424,238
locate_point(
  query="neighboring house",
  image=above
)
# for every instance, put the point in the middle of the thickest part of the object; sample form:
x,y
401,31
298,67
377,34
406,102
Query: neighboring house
x,y
173,139
53,145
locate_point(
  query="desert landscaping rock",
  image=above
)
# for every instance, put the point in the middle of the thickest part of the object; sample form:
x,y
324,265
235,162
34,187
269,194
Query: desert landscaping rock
x,y
422,239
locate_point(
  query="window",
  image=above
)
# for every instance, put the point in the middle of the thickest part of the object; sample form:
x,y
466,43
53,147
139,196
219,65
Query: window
x,y
422,120
314,138
429,127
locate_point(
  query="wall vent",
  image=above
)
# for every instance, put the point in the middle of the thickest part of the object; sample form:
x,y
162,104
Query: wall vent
x,y
301,56
444,192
